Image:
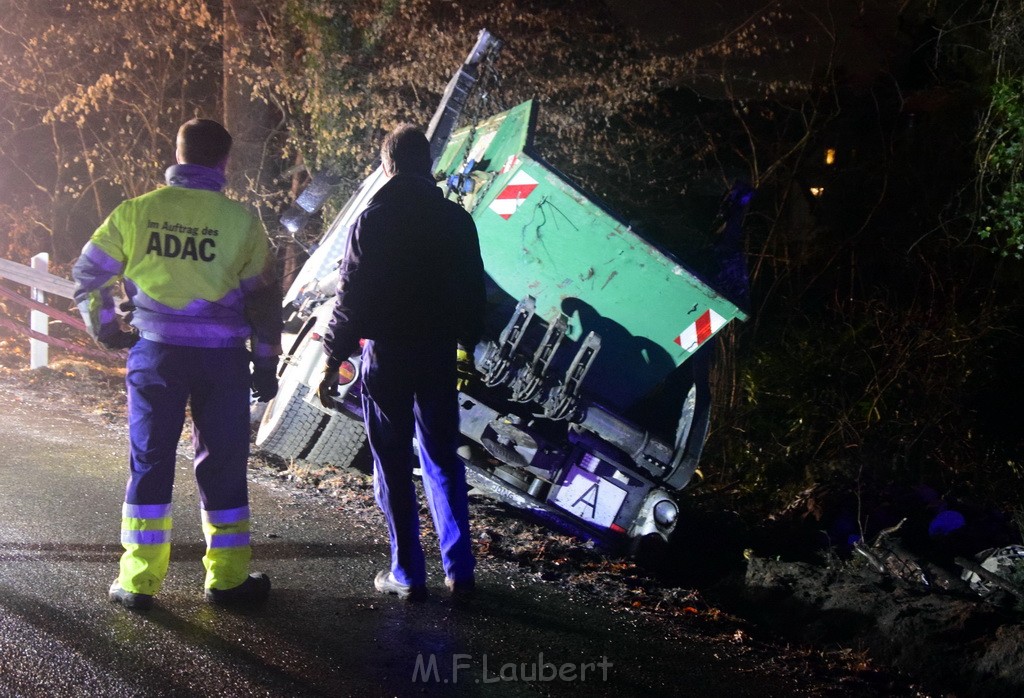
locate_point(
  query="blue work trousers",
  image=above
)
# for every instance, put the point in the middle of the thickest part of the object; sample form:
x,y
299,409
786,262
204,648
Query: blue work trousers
x,y
409,387
161,380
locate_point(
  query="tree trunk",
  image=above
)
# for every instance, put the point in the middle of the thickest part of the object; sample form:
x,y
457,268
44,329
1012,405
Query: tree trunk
x,y
254,163
251,122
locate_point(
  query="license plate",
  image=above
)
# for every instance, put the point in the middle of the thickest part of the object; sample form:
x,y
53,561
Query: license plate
x,y
590,497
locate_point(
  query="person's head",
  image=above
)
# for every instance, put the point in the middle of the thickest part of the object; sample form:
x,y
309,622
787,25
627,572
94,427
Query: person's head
x,y
203,142
405,151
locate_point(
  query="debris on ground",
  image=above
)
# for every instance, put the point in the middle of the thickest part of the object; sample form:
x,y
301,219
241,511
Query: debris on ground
x,y
959,643
908,593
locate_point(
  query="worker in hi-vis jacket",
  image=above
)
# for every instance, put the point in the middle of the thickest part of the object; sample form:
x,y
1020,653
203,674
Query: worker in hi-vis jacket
x,y
199,275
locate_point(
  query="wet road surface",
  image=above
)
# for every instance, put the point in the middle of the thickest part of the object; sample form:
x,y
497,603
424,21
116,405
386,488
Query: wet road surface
x,y
324,632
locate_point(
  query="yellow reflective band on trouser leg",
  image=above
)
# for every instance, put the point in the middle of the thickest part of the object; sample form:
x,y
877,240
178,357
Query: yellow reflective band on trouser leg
x,y
227,547
146,538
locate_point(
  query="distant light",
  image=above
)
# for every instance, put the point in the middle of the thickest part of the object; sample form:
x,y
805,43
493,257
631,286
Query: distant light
x,y
946,522
830,156
817,191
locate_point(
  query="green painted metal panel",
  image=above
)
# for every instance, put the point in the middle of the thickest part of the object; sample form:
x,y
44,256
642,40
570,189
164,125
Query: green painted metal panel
x,y
490,143
541,236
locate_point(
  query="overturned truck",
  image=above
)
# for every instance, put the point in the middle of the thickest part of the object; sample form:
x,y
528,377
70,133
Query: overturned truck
x,y
591,405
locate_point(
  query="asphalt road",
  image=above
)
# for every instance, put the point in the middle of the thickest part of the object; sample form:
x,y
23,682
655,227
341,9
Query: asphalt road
x,y
324,632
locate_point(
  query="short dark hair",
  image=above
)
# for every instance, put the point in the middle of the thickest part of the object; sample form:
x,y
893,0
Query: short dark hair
x,y
406,151
203,142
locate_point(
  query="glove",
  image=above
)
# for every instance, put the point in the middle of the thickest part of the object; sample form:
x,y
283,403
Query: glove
x,y
264,380
113,338
328,388
465,370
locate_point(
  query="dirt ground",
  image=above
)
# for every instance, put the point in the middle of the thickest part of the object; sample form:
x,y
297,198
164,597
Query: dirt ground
x,y
831,616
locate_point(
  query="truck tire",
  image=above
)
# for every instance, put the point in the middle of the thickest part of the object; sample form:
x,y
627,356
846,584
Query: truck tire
x,y
342,443
290,426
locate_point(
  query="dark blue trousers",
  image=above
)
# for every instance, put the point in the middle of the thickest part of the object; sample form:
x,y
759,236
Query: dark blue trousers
x,y
409,388
162,379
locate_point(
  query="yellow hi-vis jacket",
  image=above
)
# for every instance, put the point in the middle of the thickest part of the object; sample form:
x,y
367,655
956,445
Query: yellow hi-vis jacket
x,y
196,266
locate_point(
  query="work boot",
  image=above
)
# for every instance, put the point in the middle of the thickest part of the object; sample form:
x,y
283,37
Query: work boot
x,y
461,589
254,590
386,583
129,599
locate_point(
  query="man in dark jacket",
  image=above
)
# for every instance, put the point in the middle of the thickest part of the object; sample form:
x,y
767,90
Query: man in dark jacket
x,y
412,286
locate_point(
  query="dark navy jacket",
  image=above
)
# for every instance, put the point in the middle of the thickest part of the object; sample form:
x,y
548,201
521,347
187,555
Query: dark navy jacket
x,y
411,272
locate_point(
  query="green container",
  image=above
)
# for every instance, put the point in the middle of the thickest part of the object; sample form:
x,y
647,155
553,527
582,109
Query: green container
x,y
541,236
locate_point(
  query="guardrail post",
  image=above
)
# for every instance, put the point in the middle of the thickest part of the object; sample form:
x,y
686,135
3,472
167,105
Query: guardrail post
x,y
39,350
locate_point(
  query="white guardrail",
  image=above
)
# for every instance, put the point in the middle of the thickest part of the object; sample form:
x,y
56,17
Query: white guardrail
x,y
40,281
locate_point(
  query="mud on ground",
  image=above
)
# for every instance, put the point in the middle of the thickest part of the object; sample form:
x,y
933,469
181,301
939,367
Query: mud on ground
x,y
837,620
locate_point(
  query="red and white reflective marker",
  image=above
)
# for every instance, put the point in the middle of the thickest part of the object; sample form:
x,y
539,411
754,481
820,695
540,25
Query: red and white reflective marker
x,y
511,162
513,195
700,331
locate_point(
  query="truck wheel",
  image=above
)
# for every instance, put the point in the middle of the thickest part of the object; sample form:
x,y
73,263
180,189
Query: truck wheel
x,y
290,425
342,443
